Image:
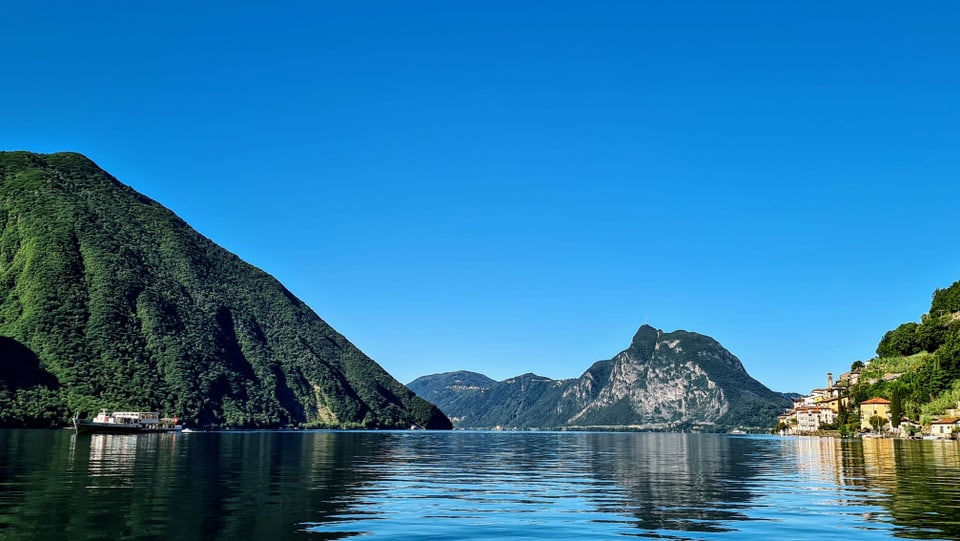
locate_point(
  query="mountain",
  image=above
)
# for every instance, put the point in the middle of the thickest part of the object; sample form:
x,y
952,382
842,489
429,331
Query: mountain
x,y
452,388
109,300
663,381
485,403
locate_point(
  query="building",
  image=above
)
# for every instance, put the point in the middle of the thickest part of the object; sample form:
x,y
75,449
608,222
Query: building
x,y
945,428
810,419
834,403
850,378
833,396
806,420
875,407
953,412
821,407
908,429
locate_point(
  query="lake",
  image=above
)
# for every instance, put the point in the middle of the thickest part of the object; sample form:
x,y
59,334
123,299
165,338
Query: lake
x,y
473,485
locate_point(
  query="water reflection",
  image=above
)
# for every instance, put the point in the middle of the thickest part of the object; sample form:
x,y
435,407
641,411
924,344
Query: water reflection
x,y
461,485
112,459
653,485
259,485
174,486
563,485
677,482
475,485
905,488
916,480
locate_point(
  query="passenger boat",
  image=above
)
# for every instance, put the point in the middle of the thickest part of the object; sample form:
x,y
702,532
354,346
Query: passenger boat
x,y
126,422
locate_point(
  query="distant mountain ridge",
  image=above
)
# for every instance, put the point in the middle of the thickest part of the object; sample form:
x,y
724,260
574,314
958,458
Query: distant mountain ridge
x,y
663,381
109,300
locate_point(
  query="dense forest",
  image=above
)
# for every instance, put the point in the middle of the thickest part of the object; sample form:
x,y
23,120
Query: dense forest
x,y
109,300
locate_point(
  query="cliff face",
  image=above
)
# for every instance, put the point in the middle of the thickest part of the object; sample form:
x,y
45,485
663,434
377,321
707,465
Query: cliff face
x,y
109,300
663,381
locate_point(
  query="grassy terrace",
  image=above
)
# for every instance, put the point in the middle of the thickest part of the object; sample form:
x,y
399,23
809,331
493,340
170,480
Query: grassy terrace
x,y
882,367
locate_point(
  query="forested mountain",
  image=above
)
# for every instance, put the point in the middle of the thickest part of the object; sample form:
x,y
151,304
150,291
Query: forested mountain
x,y
109,300
453,389
663,381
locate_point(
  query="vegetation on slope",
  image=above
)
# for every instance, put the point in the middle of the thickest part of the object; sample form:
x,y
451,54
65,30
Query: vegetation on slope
x,y
918,364
109,300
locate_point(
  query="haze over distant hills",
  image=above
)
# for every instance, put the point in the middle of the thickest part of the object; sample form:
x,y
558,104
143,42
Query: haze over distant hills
x,y
109,300
663,381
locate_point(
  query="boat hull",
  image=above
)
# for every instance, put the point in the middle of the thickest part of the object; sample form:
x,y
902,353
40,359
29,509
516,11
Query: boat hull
x,y
84,426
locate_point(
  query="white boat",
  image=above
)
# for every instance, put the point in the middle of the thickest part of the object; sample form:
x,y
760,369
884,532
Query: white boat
x,y
126,422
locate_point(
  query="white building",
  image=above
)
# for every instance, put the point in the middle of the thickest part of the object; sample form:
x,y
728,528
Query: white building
x,y
806,420
945,428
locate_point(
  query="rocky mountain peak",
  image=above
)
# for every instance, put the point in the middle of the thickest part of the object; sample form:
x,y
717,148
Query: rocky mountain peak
x,y
663,381
645,340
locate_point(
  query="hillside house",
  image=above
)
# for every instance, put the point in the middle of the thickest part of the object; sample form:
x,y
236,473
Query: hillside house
x,y
850,378
875,407
953,412
832,396
834,403
946,428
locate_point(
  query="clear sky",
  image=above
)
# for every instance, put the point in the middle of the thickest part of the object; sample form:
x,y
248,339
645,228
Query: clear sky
x,y
511,187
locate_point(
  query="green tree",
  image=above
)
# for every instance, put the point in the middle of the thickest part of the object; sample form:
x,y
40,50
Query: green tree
x,y
115,302
930,335
843,415
946,300
896,406
901,341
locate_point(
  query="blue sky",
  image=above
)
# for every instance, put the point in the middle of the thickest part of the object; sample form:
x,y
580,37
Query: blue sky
x,y
511,187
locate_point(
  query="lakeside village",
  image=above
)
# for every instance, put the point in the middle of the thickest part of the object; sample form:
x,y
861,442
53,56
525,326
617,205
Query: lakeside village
x,y
828,412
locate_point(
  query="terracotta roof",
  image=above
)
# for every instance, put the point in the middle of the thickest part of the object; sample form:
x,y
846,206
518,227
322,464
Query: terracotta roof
x,y
876,400
946,421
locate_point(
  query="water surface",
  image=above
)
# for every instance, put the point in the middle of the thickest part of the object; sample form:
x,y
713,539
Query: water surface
x,y
473,485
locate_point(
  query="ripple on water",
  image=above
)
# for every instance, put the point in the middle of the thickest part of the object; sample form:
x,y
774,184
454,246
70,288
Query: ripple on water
x,y
457,485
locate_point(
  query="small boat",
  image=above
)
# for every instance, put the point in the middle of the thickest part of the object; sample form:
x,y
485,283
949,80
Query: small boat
x,y
126,422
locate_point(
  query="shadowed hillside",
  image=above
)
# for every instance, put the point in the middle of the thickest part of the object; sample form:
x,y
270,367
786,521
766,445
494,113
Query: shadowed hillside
x,y
107,299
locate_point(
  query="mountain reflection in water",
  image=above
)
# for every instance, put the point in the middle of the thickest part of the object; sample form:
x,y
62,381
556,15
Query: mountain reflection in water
x,y
473,485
